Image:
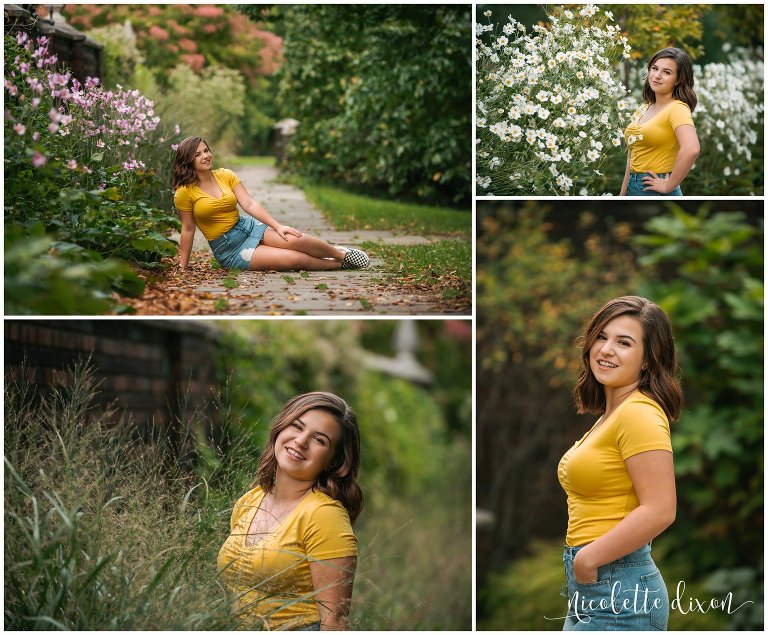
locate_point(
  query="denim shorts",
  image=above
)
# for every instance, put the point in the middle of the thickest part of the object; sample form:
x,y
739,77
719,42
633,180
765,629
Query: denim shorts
x,y
629,595
635,186
234,249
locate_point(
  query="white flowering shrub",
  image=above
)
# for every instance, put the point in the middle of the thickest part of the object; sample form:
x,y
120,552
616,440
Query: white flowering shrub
x,y
550,105
729,122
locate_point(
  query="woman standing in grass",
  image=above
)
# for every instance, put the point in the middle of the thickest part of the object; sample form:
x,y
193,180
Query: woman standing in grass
x,y
208,198
663,144
619,476
291,554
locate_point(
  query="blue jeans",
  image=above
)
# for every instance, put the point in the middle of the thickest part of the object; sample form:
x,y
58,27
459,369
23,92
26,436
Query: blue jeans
x,y
234,249
635,186
629,595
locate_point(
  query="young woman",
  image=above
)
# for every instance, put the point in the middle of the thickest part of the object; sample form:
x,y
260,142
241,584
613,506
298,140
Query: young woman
x,y
619,476
291,555
208,198
662,142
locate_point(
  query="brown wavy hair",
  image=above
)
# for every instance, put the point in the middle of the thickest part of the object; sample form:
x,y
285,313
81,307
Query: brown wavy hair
x,y
184,163
658,379
683,89
339,481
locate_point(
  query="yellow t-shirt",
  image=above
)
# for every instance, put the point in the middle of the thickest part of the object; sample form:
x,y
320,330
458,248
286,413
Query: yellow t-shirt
x,y
657,149
593,474
273,575
214,216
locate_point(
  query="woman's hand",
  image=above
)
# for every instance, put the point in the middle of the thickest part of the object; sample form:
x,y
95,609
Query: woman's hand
x,y
655,183
284,230
583,570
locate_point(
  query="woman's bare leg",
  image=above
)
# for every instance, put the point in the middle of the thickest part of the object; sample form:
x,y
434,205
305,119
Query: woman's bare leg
x,y
307,244
266,258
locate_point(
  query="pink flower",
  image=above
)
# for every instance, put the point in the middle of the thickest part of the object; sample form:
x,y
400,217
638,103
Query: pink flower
x,y
207,11
72,164
20,129
38,160
35,102
24,67
21,37
174,146
100,144
176,131
11,89
158,33
53,127
87,170
185,44
54,115
36,136
35,85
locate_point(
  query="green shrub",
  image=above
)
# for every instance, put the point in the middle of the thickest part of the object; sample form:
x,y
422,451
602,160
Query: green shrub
x,y
370,115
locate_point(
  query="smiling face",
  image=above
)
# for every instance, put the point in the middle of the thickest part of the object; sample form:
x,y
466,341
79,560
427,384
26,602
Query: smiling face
x,y
662,76
203,160
617,355
307,445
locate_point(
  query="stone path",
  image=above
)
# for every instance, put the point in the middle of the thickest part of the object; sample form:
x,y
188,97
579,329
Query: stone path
x,y
313,293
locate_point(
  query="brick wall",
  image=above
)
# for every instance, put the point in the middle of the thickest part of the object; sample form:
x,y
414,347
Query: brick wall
x,y
144,364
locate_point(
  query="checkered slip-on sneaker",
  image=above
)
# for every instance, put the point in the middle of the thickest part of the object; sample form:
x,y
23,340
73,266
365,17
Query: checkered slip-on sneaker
x,y
355,259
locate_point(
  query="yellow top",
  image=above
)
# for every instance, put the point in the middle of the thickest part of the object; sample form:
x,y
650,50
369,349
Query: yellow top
x,y
593,474
214,216
271,580
656,147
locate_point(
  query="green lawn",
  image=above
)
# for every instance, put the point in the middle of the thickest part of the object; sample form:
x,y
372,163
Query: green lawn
x,y
247,161
443,267
356,211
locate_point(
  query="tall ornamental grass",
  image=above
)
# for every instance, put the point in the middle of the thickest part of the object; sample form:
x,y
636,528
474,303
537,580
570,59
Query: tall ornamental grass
x,y
550,106
102,530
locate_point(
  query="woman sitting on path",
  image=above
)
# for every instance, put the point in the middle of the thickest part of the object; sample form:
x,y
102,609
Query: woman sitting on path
x,y
208,199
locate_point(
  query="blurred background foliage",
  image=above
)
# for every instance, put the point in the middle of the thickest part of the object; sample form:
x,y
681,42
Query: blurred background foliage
x,y
543,269
700,29
383,96
73,477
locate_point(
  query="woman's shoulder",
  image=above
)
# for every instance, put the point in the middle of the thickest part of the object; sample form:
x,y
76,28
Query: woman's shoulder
x,y
225,173
251,497
640,406
319,505
680,107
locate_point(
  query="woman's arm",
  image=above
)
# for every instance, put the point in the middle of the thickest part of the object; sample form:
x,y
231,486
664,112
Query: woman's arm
x,y
625,182
332,581
653,477
689,150
256,210
188,227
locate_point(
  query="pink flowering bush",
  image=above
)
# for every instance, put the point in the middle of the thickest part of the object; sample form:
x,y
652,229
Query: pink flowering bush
x,y
88,167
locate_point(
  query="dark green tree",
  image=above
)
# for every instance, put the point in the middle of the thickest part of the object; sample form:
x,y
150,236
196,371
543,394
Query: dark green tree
x,y
383,96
